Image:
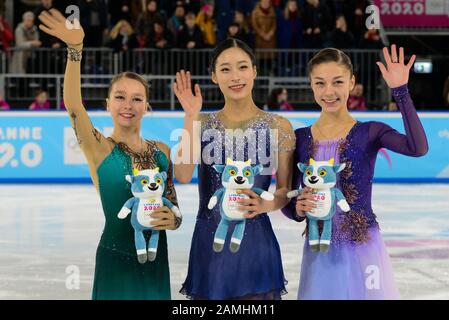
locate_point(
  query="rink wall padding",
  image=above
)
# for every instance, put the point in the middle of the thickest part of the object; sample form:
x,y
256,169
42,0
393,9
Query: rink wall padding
x,y
41,147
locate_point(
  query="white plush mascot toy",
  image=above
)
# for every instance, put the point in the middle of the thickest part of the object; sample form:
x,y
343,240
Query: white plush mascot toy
x,y
236,175
147,186
321,176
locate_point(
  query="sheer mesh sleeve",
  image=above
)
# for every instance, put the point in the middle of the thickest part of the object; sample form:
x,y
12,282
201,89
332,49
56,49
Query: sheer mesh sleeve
x,y
204,118
170,191
290,209
286,135
414,142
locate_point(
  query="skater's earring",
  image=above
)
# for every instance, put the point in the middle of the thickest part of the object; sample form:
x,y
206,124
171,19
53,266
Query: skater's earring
x,y
107,104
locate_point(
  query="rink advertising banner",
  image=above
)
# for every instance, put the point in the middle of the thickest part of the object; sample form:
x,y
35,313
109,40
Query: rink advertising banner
x,y
413,13
42,147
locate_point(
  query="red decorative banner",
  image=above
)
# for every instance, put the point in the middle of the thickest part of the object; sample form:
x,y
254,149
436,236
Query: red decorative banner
x,y
413,13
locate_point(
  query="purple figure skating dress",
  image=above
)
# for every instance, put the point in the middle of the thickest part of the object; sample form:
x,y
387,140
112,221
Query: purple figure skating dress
x,y
357,265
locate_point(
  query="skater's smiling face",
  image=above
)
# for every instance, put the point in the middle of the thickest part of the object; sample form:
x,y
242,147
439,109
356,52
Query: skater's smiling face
x,y
331,83
127,102
234,73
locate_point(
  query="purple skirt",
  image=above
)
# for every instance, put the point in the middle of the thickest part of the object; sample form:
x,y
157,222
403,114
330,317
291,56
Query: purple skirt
x,y
348,272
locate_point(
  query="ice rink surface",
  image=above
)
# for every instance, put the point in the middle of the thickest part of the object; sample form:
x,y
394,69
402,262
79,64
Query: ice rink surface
x,y
50,232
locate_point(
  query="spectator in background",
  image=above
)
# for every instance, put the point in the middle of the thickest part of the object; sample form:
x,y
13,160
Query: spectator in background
x,y
41,101
146,20
446,93
176,22
289,35
160,37
6,35
49,61
244,28
278,100
340,37
356,100
371,39
94,19
234,31
27,37
316,23
47,40
122,37
3,104
263,20
290,27
206,22
190,36
160,63
355,16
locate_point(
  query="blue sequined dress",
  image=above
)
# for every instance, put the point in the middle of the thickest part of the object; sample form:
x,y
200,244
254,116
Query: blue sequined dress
x,y
255,271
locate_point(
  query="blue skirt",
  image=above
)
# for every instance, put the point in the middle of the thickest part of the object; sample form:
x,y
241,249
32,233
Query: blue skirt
x,y
253,272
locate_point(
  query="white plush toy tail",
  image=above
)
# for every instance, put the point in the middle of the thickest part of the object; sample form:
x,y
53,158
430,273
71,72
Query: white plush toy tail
x,y
267,196
212,202
176,211
123,213
293,194
344,206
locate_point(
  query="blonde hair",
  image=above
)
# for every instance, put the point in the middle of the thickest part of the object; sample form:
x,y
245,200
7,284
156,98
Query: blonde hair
x,y
116,29
287,11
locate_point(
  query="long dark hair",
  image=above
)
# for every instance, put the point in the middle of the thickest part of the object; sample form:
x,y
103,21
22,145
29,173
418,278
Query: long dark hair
x,y
330,55
272,102
230,43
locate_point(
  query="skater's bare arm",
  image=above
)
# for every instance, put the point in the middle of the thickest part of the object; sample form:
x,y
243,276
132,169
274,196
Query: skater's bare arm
x,y
92,143
191,103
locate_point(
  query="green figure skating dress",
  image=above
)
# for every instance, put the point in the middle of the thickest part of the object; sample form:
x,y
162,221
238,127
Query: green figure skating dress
x,y
118,274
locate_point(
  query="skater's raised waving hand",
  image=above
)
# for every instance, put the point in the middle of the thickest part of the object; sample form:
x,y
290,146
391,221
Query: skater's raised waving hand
x,y
55,24
92,142
191,103
396,72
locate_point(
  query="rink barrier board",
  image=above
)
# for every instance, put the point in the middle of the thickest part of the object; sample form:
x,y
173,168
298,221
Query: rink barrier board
x,y
40,147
